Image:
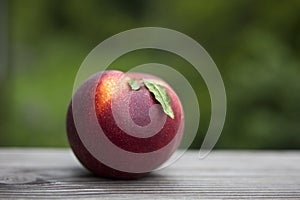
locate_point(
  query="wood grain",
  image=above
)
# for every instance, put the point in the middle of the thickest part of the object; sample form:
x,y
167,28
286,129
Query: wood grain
x,y
56,174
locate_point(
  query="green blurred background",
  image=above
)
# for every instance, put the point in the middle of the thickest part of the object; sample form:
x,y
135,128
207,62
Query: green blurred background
x,y
255,44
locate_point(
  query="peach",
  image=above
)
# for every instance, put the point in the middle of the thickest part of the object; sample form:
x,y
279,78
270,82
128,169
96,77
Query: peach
x,y
138,113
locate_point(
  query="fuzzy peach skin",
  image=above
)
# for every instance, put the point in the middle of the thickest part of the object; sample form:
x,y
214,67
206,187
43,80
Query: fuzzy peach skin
x,y
139,104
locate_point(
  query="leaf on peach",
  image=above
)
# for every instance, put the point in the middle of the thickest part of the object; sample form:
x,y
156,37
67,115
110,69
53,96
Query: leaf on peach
x,y
160,95
134,84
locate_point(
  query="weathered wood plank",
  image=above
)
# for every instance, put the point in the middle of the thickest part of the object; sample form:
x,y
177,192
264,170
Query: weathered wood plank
x,y
55,173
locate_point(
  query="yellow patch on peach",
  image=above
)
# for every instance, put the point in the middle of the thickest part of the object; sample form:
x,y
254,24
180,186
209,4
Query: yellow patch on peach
x,y
104,91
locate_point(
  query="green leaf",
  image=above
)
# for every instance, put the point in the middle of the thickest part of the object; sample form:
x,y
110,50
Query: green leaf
x,y
160,95
134,84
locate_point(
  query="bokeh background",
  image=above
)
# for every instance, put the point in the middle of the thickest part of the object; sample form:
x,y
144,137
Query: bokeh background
x,y
255,44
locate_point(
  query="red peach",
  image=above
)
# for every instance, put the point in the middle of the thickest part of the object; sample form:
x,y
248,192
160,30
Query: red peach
x,y
124,107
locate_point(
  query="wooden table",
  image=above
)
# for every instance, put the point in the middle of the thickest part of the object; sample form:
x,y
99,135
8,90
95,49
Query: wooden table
x,y
55,173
